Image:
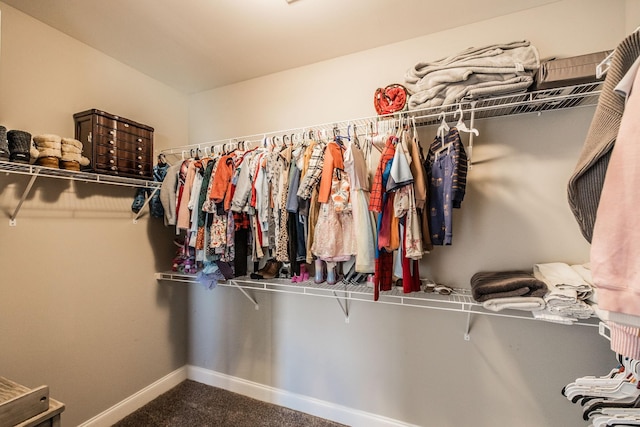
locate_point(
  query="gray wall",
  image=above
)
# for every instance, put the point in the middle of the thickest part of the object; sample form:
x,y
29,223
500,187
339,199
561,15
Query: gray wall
x,y
406,363
80,309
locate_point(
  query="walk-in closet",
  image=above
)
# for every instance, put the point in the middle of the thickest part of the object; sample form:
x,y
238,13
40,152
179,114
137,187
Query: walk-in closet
x,y
309,204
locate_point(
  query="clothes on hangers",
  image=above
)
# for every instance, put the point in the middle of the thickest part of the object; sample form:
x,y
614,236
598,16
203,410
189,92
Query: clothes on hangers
x,y
306,201
585,183
446,166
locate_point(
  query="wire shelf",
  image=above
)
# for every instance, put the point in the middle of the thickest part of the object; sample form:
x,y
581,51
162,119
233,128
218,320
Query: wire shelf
x,y
459,301
584,95
41,171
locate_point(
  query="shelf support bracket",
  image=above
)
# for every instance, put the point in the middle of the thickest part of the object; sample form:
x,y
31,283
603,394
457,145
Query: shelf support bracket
x,y
12,219
144,205
467,308
246,294
344,307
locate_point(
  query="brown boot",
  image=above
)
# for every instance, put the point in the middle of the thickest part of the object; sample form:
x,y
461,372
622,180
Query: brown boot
x,y
269,271
272,270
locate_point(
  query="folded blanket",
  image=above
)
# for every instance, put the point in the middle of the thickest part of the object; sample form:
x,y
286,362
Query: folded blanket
x,y
546,316
499,58
514,303
473,73
503,284
578,309
563,280
477,86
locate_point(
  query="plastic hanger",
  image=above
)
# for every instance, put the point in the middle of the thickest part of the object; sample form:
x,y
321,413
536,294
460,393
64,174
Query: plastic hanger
x,y
443,128
603,66
461,126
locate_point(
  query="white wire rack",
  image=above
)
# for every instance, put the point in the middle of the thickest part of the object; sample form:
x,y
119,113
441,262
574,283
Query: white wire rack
x,y
459,301
535,102
40,171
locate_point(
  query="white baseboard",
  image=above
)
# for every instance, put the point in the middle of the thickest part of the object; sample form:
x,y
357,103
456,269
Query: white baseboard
x,y
137,400
298,402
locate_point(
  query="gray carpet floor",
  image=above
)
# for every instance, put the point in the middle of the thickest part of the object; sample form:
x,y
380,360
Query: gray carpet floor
x,y
192,404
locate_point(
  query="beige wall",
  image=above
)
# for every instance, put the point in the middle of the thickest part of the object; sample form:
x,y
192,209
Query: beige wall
x,y
406,363
80,310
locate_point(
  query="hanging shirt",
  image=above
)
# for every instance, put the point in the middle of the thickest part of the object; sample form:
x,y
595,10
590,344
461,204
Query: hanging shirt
x,y
377,189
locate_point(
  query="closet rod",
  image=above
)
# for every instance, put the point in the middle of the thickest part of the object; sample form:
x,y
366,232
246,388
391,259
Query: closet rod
x,y
342,126
583,95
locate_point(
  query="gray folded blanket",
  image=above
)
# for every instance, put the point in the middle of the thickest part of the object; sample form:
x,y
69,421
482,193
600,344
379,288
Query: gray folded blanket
x,y
473,73
504,284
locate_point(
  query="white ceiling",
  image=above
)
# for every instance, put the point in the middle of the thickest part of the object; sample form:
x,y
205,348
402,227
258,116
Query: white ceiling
x,y
196,45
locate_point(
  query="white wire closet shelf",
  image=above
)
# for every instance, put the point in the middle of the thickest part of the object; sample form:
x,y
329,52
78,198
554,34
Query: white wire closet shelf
x,y
36,171
534,102
459,301
28,169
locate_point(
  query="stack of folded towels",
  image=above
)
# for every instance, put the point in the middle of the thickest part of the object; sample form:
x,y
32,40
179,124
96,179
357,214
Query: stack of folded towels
x,y
555,292
568,293
499,290
471,74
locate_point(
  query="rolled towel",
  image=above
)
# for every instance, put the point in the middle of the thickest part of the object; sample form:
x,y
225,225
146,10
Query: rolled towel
x,y
514,303
503,284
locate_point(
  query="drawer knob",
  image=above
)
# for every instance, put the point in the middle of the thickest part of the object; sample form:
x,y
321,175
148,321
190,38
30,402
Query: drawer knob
x,y
114,168
139,157
126,125
111,142
139,140
139,166
111,152
141,173
139,148
112,161
112,132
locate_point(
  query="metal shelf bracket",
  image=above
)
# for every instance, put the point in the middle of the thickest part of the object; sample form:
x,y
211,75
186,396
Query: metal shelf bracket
x,y
344,307
144,205
467,308
12,219
252,299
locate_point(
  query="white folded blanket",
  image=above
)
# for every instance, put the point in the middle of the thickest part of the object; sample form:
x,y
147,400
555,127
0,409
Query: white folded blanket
x,y
578,309
563,280
548,317
514,303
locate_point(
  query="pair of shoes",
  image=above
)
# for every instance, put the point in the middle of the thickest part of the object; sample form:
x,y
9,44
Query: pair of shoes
x,y
269,271
303,277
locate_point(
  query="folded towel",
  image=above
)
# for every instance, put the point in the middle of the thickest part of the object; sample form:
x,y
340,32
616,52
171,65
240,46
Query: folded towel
x,y
578,309
473,73
503,284
548,317
498,59
514,303
563,280
477,86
